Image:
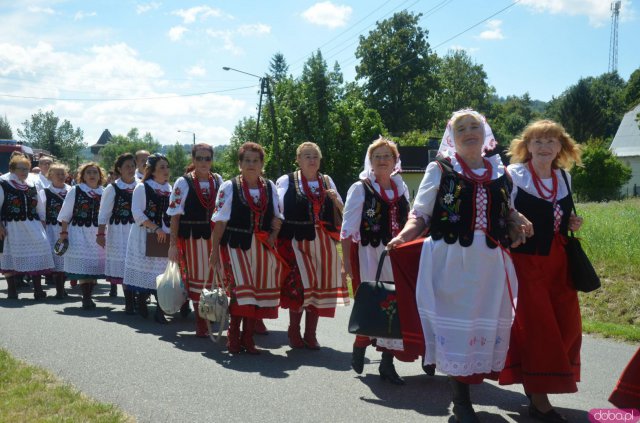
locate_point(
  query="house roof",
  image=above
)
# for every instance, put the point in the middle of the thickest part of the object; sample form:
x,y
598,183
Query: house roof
x,y
627,140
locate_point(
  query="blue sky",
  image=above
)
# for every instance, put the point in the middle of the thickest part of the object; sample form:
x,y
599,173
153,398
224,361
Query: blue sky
x,y
161,61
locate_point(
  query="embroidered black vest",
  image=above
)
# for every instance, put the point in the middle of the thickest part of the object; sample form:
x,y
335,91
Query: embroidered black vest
x,y
53,206
196,221
85,209
157,205
375,226
19,205
540,212
299,221
454,214
121,213
240,227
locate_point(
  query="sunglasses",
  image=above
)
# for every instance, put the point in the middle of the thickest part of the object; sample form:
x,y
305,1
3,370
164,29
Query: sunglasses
x,y
203,159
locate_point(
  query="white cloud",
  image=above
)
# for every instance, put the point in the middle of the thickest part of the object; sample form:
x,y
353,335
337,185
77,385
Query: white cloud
x,y
202,12
457,47
81,15
196,71
176,33
110,72
43,10
328,14
255,29
598,11
146,7
493,31
227,41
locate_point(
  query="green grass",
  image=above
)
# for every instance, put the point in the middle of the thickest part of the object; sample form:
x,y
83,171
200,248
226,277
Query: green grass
x,y
31,394
611,237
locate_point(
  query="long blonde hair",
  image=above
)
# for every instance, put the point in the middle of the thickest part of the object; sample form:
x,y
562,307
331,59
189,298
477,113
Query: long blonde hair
x,y
570,151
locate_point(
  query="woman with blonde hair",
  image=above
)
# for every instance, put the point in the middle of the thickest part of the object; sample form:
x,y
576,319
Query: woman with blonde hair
x,y
26,249
84,258
55,194
376,210
544,354
308,242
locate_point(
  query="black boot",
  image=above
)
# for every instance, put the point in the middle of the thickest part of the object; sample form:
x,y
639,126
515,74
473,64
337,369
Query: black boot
x,y
429,369
462,407
159,316
87,301
185,309
12,289
357,359
128,302
388,370
142,304
38,293
59,282
113,292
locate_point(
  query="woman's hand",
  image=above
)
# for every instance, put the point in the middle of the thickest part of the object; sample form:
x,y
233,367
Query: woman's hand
x,y
272,239
173,253
347,270
395,242
575,222
100,240
213,260
3,232
162,236
520,228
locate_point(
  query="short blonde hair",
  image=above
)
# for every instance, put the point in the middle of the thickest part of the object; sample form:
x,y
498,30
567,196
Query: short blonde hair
x,y
380,142
308,144
83,168
15,160
59,166
570,151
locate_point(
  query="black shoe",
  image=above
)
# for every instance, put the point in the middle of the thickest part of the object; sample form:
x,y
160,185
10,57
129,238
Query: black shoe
x,y
39,295
185,309
142,305
88,304
462,407
61,295
357,359
388,370
159,316
429,369
129,302
551,416
113,292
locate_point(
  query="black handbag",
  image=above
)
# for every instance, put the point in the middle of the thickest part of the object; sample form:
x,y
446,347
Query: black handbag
x,y
375,308
583,274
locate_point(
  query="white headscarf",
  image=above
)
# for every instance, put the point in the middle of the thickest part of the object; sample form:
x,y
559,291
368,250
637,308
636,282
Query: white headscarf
x,y
368,168
448,146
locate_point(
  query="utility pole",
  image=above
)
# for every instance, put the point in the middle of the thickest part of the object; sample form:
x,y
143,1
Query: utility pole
x,y
613,41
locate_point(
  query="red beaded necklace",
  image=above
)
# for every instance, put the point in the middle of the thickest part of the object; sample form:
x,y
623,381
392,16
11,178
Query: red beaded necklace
x,y
261,207
208,202
317,199
544,192
469,174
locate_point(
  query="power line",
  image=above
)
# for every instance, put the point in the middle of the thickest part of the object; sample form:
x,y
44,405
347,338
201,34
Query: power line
x,y
126,99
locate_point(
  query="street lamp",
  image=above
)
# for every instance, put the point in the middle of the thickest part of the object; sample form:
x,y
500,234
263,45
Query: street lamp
x,y
265,88
189,132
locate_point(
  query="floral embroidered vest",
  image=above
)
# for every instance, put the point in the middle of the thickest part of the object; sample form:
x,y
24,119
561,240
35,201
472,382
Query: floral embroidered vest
x,y
19,205
298,211
85,209
240,227
454,213
157,206
196,221
375,227
53,206
121,213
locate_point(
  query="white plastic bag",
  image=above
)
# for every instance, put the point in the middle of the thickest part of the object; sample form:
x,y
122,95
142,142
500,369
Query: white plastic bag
x,y
171,291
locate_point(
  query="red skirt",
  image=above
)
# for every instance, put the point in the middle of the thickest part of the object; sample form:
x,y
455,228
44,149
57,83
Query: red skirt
x,y
544,351
627,391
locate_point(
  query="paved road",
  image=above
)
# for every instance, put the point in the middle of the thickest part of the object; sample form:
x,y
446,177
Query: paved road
x,y
164,374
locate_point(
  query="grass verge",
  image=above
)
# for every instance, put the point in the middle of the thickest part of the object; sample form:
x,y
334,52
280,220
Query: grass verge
x,y
31,394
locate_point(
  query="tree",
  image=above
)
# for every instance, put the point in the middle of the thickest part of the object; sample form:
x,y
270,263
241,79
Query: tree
x,y
398,70
462,84
631,94
178,160
602,174
129,143
508,117
5,129
45,131
278,67
576,109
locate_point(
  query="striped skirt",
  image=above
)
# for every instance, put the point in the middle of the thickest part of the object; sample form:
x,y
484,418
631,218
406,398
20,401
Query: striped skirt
x,y
254,278
194,265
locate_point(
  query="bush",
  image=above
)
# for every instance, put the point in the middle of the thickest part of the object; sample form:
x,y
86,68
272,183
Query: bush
x,y
602,174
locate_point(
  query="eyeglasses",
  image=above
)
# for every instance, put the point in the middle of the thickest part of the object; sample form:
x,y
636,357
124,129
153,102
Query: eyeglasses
x,y
382,157
203,159
22,169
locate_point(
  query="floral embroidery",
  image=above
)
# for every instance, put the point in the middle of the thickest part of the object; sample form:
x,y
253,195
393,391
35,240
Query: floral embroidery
x,y
450,202
371,213
448,198
390,306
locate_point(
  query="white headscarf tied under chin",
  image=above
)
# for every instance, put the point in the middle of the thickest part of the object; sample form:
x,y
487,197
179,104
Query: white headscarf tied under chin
x,y
368,168
448,146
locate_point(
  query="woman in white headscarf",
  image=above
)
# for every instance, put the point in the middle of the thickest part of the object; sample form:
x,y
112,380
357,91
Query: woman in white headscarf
x,y
376,209
466,282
